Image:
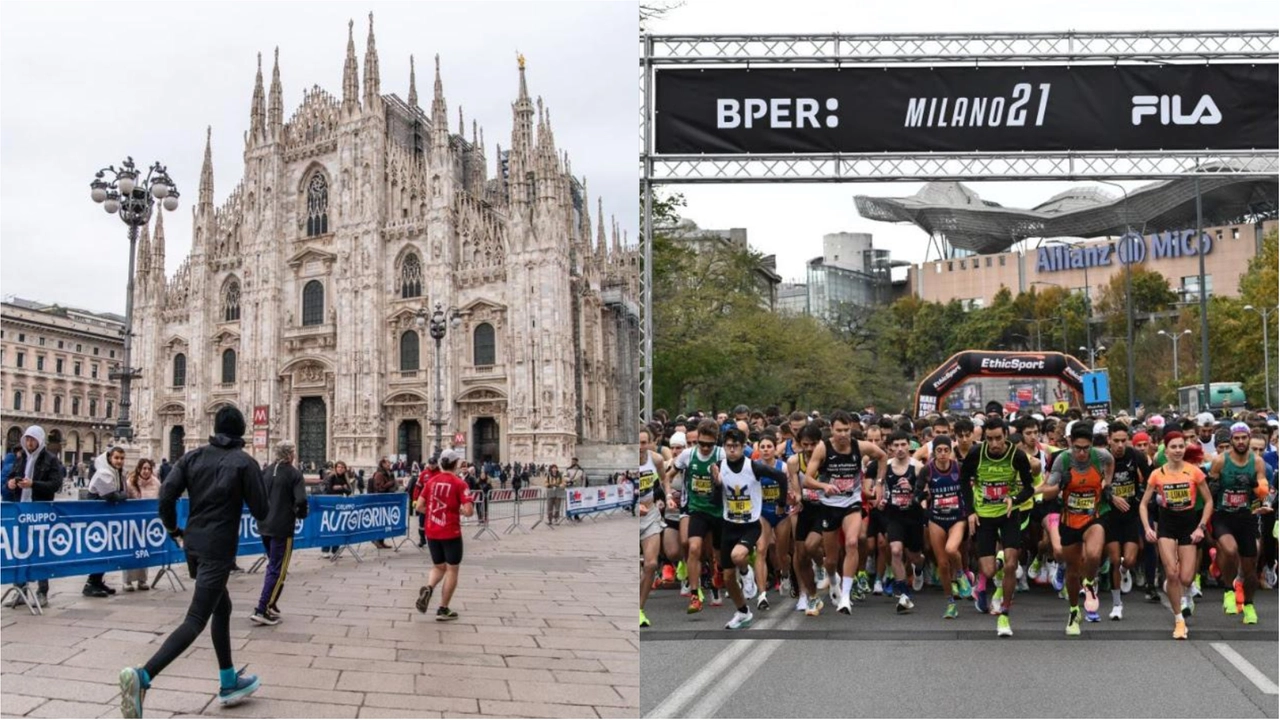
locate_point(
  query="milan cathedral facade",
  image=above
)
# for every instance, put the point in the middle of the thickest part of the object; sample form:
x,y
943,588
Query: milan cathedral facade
x,y
309,289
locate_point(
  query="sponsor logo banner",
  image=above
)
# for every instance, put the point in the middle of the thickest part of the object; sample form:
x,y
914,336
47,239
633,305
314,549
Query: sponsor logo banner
x,y
41,540
965,109
583,501
951,374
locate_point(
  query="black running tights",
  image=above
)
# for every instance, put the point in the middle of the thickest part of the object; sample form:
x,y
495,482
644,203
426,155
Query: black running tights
x,y
209,601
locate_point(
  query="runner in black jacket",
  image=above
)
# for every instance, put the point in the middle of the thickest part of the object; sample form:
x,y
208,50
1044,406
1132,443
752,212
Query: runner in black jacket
x,y
220,478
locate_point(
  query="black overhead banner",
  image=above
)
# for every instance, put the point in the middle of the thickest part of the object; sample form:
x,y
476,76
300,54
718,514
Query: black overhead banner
x,y
960,109
988,363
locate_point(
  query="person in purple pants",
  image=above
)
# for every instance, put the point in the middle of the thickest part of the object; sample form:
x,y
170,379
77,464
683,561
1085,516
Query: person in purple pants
x,y
287,503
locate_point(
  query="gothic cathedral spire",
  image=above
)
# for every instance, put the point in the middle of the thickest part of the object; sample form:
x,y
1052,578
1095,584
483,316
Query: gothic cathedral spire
x,y
206,174
258,113
157,249
439,117
372,81
350,81
413,86
275,106
520,157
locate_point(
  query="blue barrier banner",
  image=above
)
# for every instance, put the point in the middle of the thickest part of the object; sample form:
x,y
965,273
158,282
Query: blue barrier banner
x,y
337,520
41,540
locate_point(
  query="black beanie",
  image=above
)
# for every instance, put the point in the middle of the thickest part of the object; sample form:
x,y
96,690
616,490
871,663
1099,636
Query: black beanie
x,y
229,422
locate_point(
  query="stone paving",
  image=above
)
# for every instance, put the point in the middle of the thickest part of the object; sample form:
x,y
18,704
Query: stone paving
x,y
547,629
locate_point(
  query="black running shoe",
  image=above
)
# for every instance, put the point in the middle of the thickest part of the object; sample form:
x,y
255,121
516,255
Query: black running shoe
x,y
444,614
424,599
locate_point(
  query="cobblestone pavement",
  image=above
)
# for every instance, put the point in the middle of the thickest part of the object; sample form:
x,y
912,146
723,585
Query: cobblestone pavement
x,y
547,629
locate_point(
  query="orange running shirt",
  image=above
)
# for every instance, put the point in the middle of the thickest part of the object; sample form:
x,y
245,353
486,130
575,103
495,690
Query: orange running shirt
x,y
1177,491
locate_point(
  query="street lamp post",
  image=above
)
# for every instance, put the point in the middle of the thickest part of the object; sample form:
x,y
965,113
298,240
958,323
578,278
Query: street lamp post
x,y
133,200
437,325
1175,337
1266,346
1066,345
1093,354
1127,258
1088,303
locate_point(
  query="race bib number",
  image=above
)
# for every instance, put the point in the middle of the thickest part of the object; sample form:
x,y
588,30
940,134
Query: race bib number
x,y
702,485
845,485
646,483
1177,496
739,508
1081,503
994,493
1234,499
810,495
948,502
1125,490
901,500
771,492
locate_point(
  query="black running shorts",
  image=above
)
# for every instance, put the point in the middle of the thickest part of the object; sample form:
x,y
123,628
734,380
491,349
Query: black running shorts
x,y
445,551
745,534
701,523
1006,529
1243,526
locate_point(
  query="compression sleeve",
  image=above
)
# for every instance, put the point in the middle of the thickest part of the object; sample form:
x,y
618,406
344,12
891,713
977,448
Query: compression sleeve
x,y
1022,465
969,471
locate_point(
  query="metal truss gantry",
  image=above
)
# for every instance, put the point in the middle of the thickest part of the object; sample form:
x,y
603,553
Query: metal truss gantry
x,y
977,49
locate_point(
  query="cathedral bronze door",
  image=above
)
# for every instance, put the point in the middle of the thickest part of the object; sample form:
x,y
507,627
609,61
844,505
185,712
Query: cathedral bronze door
x,y
177,434
485,448
312,434
410,441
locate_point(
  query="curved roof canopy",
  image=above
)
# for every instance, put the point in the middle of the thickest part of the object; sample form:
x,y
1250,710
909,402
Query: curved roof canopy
x,y
957,213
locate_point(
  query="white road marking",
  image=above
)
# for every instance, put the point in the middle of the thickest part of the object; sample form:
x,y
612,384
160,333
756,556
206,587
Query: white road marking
x,y
1246,668
742,670
696,685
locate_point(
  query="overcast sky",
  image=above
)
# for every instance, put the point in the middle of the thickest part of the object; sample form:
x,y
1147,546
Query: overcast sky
x,y
790,219
82,85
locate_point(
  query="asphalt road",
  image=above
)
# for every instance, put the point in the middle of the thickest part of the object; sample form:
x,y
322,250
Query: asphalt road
x,y
878,663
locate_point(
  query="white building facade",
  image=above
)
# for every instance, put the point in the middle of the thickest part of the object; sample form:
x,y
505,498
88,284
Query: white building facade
x,y
304,289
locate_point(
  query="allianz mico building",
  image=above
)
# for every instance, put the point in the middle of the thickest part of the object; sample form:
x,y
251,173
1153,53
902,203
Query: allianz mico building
x,y
981,249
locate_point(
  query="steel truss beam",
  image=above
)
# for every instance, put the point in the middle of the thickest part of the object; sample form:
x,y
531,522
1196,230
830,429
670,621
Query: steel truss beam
x,y
698,169
1165,46
898,49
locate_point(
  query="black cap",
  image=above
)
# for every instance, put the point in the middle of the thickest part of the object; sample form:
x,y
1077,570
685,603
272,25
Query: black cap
x,y
229,422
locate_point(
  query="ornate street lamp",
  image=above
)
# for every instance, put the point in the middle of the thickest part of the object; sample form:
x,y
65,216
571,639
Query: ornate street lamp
x,y
131,198
437,325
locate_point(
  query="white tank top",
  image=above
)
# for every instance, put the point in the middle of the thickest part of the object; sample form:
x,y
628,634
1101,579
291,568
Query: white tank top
x,y
648,478
742,494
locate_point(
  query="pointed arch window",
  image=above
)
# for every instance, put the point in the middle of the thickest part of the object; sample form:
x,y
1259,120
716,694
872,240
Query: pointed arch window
x,y
317,205
483,345
231,301
313,303
409,351
410,276
179,370
228,366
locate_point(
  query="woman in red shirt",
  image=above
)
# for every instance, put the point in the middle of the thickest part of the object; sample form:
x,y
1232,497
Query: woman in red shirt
x,y
444,499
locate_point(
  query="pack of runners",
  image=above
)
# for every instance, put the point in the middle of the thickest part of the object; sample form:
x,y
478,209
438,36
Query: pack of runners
x,y
770,510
